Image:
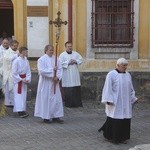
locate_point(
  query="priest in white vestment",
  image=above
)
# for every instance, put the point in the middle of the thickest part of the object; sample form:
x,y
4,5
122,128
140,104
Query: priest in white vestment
x,y
71,84
5,36
21,74
9,56
3,47
118,95
48,104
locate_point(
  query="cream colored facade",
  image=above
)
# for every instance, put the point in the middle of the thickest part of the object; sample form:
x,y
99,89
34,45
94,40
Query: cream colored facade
x,y
80,33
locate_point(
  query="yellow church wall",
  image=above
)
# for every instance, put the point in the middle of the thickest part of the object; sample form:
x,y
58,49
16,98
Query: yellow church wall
x,y
144,29
79,26
55,6
20,21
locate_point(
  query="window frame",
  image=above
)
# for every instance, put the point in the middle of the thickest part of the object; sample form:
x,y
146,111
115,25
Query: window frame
x,y
113,43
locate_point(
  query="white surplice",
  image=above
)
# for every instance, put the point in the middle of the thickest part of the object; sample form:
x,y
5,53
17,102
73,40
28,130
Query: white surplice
x,y
20,66
71,76
2,51
118,89
9,57
48,105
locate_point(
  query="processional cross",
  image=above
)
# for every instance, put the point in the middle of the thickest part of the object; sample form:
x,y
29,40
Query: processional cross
x,y
57,22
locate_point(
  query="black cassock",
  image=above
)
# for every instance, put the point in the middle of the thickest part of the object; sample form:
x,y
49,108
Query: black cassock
x,y
72,96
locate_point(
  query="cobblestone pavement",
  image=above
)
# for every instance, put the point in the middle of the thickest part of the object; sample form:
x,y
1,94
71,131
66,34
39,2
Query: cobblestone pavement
x,y
79,131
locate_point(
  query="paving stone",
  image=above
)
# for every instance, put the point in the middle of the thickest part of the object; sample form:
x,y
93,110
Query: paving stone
x,y
141,147
79,131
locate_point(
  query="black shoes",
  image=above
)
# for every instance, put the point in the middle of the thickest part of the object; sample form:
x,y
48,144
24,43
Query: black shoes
x,y
57,120
9,106
23,114
117,142
54,120
124,142
47,121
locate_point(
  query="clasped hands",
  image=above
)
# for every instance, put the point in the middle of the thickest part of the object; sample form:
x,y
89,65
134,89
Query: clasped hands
x,y
72,62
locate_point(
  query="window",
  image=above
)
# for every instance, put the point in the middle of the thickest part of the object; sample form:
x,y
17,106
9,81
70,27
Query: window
x,y
112,23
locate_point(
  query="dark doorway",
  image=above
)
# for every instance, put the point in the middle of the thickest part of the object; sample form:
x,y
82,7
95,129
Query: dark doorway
x,y
6,17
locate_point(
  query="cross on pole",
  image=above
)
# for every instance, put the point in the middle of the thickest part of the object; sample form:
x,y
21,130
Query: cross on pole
x,y
57,22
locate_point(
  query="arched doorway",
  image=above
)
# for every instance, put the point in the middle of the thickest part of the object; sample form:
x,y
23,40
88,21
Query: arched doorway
x,y
6,17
